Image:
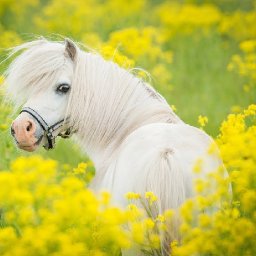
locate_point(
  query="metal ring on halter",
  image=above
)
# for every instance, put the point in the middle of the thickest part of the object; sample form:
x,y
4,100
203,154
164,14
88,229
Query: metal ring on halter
x,y
48,130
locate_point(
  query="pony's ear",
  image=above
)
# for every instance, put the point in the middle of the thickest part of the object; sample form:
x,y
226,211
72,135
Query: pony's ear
x,y
70,49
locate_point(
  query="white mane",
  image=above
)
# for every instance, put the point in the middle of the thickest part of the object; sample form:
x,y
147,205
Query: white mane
x,y
120,101
106,102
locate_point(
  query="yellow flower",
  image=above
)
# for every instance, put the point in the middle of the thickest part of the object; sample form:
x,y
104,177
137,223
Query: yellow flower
x,y
236,109
151,197
198,166
149,223
132,195
160,218
106,196
173,107
204,220
202,120
81,168
248,45
1,80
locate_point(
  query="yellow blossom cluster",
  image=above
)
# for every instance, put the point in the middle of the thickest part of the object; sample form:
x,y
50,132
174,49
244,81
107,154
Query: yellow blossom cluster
x,y
9,38
16,7
134,33
177,19
180,19
245,64
46,208
214,223
238,25
43,212
202,120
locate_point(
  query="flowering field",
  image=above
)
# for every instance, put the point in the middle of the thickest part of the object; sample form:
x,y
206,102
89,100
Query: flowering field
x,y
201,56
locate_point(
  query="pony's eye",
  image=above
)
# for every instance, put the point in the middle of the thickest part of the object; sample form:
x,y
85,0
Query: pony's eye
x,y
63,88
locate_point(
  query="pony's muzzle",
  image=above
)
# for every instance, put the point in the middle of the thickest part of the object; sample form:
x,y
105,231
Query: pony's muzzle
x,y
23,130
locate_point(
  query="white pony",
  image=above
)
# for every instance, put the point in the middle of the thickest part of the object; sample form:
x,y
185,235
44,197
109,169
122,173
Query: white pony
x,y
135,140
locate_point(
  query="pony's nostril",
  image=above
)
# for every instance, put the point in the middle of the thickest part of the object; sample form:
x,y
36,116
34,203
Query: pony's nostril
x,y
12,131
29,126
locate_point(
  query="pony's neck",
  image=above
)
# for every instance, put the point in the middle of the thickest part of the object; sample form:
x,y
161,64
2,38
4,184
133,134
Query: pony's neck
x,y
112,104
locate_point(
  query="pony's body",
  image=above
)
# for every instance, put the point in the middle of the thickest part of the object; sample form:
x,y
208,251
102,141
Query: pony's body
x,y
134,138
157,157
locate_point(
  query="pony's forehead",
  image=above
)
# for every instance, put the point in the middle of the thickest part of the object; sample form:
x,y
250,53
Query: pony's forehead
x,y
38,60
41,45
44,52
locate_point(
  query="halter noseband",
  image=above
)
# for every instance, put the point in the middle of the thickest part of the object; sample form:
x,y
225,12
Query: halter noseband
x,y
48,130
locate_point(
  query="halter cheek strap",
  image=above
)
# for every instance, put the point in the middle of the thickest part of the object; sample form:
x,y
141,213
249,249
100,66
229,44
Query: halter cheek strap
x,y
48,130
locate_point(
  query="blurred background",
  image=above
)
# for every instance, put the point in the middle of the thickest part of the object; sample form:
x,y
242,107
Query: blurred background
x,y
201,55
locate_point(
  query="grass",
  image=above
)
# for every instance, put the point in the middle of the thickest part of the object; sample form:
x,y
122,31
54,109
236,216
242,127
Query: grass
x,y
201,82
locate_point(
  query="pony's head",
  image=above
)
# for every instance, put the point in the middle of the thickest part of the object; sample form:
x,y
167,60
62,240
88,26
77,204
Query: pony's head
x,y
39,80
63,89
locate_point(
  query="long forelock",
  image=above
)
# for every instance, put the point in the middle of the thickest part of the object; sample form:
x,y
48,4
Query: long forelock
x,y
37,67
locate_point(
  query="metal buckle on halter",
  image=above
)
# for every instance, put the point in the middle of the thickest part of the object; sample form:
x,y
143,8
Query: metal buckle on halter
x,y
67,134
48,130
50,139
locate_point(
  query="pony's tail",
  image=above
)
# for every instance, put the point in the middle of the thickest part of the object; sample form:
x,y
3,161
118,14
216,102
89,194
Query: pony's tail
x,y
165,179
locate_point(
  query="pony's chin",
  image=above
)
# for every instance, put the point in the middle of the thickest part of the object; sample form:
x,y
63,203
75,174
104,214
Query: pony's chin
x,y
30,148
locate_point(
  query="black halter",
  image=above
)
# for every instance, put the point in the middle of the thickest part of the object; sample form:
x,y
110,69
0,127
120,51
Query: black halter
x,y
48,130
